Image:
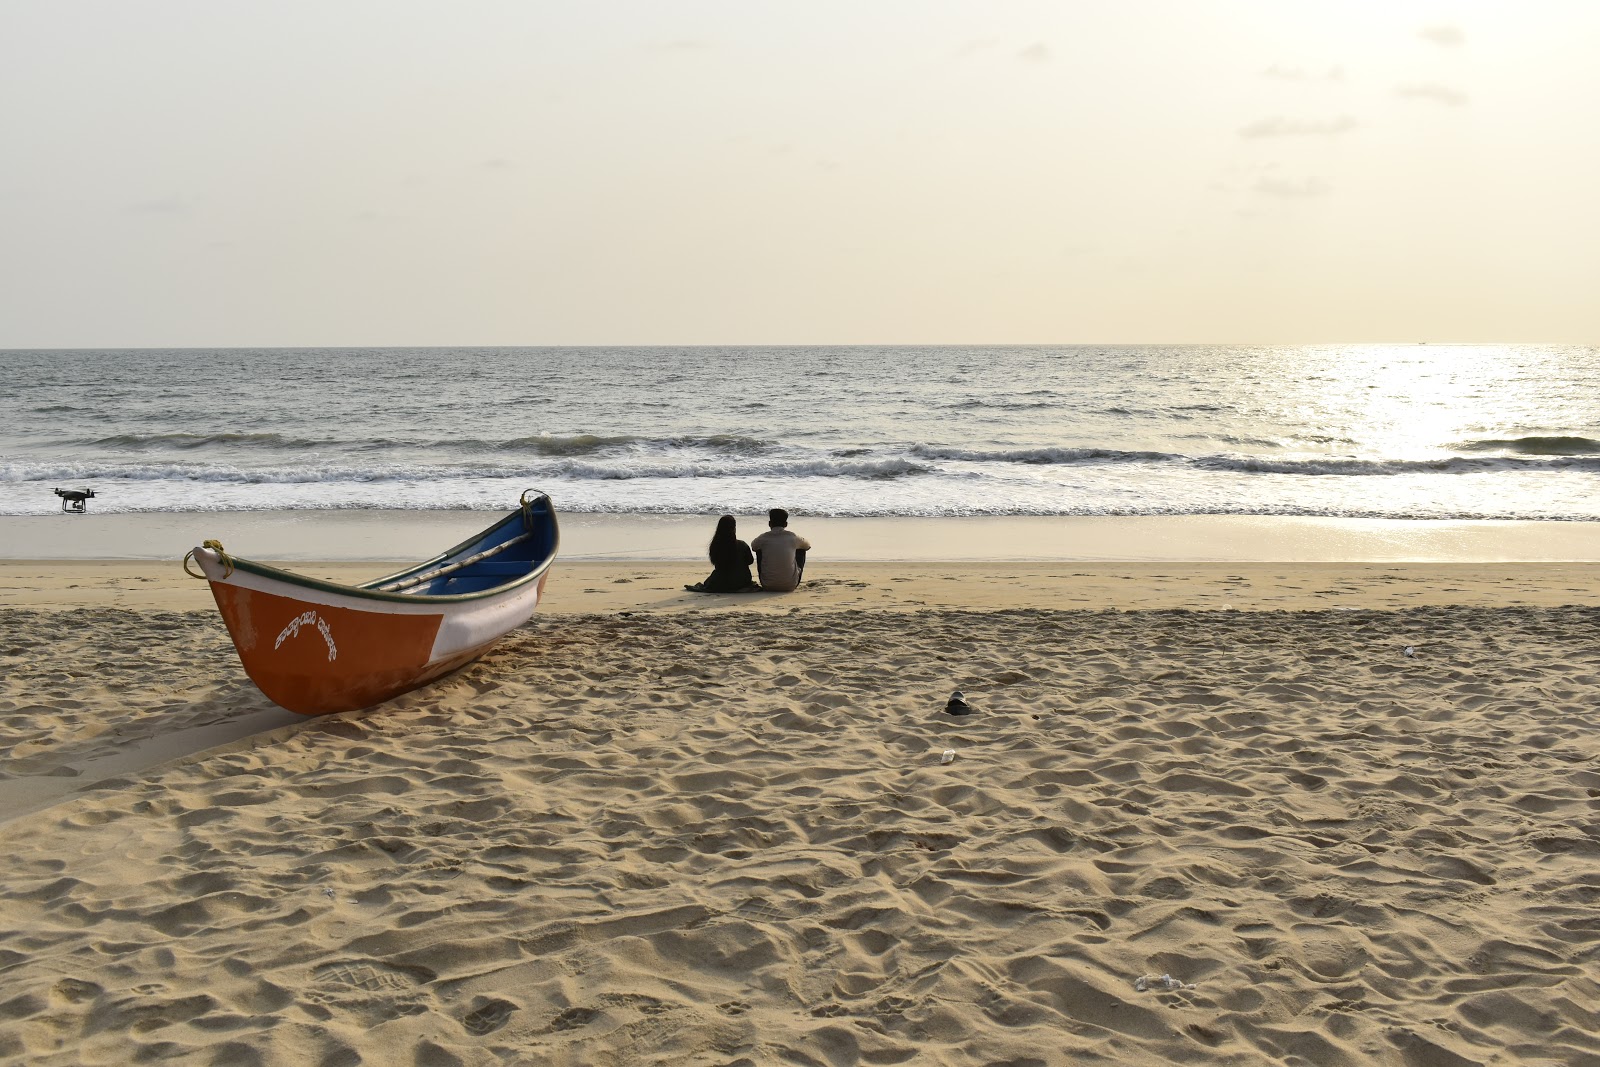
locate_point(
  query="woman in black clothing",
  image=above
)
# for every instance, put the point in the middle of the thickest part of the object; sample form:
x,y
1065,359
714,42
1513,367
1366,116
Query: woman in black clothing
x,y
730,562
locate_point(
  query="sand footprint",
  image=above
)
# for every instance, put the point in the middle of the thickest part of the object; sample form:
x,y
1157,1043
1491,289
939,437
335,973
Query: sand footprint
x,y
366,975
488,1017
74,991
573,1018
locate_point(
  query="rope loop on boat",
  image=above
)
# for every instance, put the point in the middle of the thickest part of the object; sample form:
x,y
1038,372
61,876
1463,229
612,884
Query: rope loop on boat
x,y
527,507
216,546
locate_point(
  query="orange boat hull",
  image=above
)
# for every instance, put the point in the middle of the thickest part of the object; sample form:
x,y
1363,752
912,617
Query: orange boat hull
x,y
315,659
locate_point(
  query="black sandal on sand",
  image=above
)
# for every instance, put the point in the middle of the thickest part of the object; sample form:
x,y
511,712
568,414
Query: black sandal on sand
x,y
957,704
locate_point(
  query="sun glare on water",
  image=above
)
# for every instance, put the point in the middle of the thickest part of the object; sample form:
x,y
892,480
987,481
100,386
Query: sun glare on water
x,y
1414,402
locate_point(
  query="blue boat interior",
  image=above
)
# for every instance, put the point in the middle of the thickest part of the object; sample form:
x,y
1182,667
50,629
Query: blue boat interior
x,y
505,558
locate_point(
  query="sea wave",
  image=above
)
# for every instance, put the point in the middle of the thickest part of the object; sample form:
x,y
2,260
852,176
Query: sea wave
x,y
812,468
1232,439
596,444
860,464
975,404
143,442
1536,445
1041,456
1331,466
1239,463
578,469
534,445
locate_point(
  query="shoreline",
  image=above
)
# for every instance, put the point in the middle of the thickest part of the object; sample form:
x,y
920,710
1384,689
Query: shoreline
x,y
362,535
624,587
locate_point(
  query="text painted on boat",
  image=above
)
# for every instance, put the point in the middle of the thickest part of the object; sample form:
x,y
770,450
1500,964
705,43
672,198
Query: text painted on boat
x,y
309,618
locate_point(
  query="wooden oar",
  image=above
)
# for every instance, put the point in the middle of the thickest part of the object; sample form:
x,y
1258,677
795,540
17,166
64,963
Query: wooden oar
x,y
451,568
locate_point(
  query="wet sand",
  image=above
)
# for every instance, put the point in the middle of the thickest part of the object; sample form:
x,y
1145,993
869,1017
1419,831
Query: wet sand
x,y
364,535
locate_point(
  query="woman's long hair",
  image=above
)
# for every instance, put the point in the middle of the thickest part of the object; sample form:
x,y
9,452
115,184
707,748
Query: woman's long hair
x,y
726,533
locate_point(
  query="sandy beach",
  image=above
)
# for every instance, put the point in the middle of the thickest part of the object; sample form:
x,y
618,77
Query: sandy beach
x,y
1184,417
1202,812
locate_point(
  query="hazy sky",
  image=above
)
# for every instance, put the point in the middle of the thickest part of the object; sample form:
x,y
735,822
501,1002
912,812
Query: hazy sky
x,y
224,172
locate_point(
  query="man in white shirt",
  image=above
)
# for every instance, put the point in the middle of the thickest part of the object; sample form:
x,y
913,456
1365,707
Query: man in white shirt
x,y
780,554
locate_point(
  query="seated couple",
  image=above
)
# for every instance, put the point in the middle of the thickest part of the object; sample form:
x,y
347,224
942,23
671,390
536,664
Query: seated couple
x,y
779,556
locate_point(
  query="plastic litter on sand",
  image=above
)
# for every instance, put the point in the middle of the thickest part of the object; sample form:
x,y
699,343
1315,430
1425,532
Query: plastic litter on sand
x,y
947,756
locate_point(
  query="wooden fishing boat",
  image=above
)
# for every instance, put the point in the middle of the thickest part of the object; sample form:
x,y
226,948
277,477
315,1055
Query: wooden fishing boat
x,y
317,647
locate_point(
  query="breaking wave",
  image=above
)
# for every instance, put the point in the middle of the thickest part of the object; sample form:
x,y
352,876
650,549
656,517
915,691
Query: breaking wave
x,y
535,445
1317,466
574,469
140,442
1378,468
1554,445
594,444
1040,456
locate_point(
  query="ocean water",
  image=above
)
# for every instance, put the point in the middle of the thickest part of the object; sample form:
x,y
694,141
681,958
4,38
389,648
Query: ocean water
x,y
1412,431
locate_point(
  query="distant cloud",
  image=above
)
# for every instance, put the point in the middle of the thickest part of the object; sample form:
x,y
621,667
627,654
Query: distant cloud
x,y
1035,53
1278,126
1290,188
1449,36
1442,94
1300,74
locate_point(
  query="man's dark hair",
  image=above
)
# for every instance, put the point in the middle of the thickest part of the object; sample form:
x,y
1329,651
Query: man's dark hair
x,y
777,517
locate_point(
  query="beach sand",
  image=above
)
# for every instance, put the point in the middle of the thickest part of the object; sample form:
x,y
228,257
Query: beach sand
x,y
653,827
